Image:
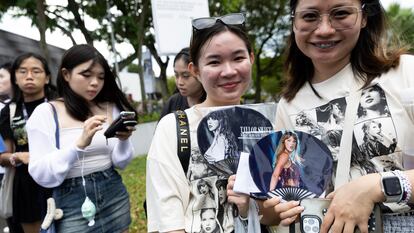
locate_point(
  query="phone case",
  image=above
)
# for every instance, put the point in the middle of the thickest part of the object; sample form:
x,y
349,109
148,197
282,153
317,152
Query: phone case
x,y
311,218
316,208
119,124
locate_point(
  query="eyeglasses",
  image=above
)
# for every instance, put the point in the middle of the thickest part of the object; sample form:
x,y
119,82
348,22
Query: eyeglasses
x,y
36,72
340,18
207,22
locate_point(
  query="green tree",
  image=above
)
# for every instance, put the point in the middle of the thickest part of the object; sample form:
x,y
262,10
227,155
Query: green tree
x,y
401,21
268,26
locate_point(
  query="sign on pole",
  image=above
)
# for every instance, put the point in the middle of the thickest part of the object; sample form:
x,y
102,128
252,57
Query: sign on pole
x,y
149,81
172,22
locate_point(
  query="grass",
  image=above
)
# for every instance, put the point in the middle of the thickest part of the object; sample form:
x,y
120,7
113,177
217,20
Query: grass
x,y
134,179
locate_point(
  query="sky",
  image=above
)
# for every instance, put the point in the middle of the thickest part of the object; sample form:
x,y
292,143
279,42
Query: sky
x,y
22,26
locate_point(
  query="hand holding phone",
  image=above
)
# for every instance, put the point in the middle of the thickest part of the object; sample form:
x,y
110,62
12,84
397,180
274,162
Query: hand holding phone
x,y
125,118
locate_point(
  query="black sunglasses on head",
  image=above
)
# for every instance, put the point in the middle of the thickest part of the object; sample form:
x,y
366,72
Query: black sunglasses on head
x,y
207,22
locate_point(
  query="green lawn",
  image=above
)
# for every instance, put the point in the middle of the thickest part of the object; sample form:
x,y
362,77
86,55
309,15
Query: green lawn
x,y
134,179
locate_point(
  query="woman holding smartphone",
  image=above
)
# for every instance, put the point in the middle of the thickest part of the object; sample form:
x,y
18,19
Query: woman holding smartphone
x,y
76,159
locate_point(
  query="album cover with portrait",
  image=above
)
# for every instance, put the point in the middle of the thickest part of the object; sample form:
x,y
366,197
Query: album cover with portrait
x,y
290,164
224,133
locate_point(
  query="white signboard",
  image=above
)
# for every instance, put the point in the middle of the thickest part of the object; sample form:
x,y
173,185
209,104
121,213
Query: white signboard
x,y
172,22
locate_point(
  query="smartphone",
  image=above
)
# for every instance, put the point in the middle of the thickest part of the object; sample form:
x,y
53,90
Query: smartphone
x,y
125,118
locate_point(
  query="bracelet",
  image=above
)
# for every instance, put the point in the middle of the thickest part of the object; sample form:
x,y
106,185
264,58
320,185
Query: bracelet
x,y
406,186
12,159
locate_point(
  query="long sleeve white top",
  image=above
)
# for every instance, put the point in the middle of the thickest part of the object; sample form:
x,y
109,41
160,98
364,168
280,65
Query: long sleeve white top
x,y
49,166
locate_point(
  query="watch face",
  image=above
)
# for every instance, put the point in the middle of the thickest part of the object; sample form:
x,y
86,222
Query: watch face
x,y
392,186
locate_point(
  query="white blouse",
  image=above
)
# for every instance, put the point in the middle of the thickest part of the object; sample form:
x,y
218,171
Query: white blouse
x,y
50,166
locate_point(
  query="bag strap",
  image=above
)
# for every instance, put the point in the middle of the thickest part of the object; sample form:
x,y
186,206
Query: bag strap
x,y
12,112
55,116
345,150
183,139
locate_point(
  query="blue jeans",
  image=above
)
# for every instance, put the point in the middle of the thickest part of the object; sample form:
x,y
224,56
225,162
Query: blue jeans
x,y
106,190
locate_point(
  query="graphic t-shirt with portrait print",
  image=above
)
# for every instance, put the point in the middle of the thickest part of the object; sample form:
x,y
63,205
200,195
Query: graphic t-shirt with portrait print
x,y
380,125
197,201
197,195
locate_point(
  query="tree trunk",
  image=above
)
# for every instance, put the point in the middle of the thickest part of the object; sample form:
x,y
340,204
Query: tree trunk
x,y
41,26
258,81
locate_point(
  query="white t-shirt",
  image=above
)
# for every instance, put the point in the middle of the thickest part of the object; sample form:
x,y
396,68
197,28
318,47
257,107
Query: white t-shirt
x,y
176,200
381,122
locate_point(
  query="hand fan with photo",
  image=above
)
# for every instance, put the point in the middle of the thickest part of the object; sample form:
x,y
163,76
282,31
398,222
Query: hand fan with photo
x,y
223,134
290,164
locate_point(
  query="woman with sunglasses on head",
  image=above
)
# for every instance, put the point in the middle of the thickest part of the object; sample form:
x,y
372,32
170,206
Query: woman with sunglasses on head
x,y
189,90
70,151
31,84
337,49
221,59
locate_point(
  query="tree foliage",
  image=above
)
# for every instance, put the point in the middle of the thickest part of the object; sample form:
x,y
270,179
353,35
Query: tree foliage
x,y
401,21
268,24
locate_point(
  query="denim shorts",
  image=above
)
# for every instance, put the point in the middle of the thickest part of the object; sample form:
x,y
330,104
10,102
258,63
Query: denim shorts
x,y
106,190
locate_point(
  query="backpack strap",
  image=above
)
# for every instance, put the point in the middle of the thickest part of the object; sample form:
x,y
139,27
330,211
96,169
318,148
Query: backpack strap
x,y
55,117
183,139
12,112
345,151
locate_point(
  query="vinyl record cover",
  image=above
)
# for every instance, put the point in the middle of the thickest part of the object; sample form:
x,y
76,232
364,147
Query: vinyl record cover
x,y
224,133
290,164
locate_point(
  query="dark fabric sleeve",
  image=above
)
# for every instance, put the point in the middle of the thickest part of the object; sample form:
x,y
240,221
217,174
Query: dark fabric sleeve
x,y
5,129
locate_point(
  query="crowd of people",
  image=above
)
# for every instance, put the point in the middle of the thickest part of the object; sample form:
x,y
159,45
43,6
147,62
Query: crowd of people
x,y
336,58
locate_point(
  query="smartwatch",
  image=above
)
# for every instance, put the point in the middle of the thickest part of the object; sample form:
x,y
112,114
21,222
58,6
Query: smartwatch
x,y
391,187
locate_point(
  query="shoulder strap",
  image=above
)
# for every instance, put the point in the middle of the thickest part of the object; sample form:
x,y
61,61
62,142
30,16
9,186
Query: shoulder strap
x,y
345,151
12,111
183,139
57,125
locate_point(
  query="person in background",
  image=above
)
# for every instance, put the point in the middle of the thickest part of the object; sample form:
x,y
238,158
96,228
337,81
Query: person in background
x,y
31,84
338,48
190,90
6,90
84,162
5,97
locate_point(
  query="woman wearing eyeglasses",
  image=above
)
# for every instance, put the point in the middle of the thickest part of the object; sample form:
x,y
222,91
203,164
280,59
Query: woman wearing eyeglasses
x,y
222,59
31,82
336,49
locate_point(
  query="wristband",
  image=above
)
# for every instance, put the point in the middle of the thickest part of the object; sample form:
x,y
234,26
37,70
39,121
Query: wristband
x,y
12,159
406,185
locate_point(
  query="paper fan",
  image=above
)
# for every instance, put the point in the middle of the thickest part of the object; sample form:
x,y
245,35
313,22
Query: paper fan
x,y
290,164
223,134
291,193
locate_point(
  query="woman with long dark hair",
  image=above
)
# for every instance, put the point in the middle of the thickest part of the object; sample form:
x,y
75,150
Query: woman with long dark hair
x,y
74,157
31,84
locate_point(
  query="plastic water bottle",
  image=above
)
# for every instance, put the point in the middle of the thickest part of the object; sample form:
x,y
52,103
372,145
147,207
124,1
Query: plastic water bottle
x,y
407,99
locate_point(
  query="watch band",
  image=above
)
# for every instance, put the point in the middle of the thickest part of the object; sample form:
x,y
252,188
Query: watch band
x,y
386,189
406,186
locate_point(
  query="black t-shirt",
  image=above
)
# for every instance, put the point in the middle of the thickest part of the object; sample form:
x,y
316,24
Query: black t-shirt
x,y
174,103
17,131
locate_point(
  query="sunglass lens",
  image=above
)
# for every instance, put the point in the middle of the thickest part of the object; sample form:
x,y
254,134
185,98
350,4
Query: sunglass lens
x,y
233,19
203,23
